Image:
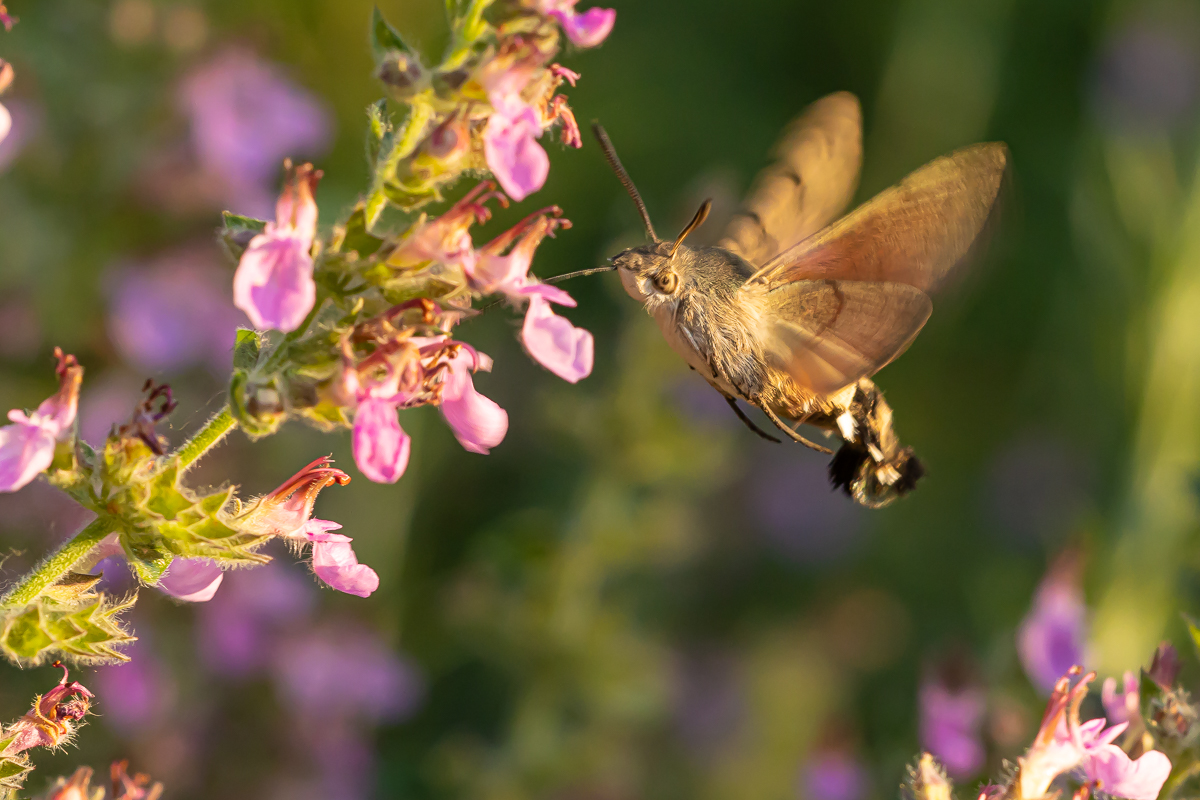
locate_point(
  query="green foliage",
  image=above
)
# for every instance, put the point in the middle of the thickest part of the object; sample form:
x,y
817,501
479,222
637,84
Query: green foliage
x,y
86,630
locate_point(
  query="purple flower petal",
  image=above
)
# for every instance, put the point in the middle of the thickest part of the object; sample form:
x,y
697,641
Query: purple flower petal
x,y
335,563
26,451
381,447
589,28
506,274
274,283
555,343
478,423
1120,776
950,727
550,293
192,580
246,117
513,154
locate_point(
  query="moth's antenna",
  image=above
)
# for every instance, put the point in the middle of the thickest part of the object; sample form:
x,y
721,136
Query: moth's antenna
x,y
610,153
578,274
697,221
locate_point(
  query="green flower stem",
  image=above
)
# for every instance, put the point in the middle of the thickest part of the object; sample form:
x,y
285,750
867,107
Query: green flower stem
x,y
414,128
57,565
206,438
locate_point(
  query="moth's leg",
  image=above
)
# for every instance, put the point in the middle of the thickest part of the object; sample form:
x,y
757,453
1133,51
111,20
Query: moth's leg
x,y
749,422
791,433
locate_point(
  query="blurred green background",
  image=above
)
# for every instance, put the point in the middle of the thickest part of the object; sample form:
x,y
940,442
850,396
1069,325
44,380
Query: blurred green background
x,y
633,596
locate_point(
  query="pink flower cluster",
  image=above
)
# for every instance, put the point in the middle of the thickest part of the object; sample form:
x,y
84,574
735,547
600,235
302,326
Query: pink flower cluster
x,y
409,371
1064,744
27,445
274,286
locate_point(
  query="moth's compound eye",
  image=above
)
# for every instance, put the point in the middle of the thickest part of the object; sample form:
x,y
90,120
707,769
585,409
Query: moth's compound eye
x,y
666,282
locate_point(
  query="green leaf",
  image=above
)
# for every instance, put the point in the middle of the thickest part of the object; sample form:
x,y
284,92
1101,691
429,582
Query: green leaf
x,y
384,38
238,232
149,562
246,349
24,636
166,499
89,630
12,772
379,132
357,237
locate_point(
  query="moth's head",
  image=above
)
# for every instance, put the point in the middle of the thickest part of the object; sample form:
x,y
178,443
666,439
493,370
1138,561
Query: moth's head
x,y
657,272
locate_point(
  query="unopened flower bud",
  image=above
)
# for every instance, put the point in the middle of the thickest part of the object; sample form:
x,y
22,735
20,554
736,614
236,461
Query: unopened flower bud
x,y
449,141
1164,669
402,73
927,781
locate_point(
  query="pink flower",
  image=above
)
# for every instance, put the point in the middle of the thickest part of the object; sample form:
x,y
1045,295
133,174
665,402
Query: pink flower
x,y
52,719
584,30
513,154
192,580
381,447
274,280
477,422
1117,773
1051,638
27,446
1063,744
287,512
1122,707
446,239
553,341
335,563
5,122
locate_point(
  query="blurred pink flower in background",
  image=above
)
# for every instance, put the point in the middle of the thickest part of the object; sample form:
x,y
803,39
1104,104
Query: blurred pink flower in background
x,y
1120,706
246,117
345,671
106,401
136,694
833,775
338,682
174,313
951,719
1052,637
238,631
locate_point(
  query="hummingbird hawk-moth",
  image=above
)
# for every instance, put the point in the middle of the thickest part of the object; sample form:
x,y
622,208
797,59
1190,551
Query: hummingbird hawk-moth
x,y
793,312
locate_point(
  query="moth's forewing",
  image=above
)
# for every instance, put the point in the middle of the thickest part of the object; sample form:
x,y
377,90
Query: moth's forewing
x,y
828,334
915,233
812,181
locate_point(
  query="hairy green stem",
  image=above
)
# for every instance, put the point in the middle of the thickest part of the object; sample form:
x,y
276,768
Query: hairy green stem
x,y
59,563
206,438
414,128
